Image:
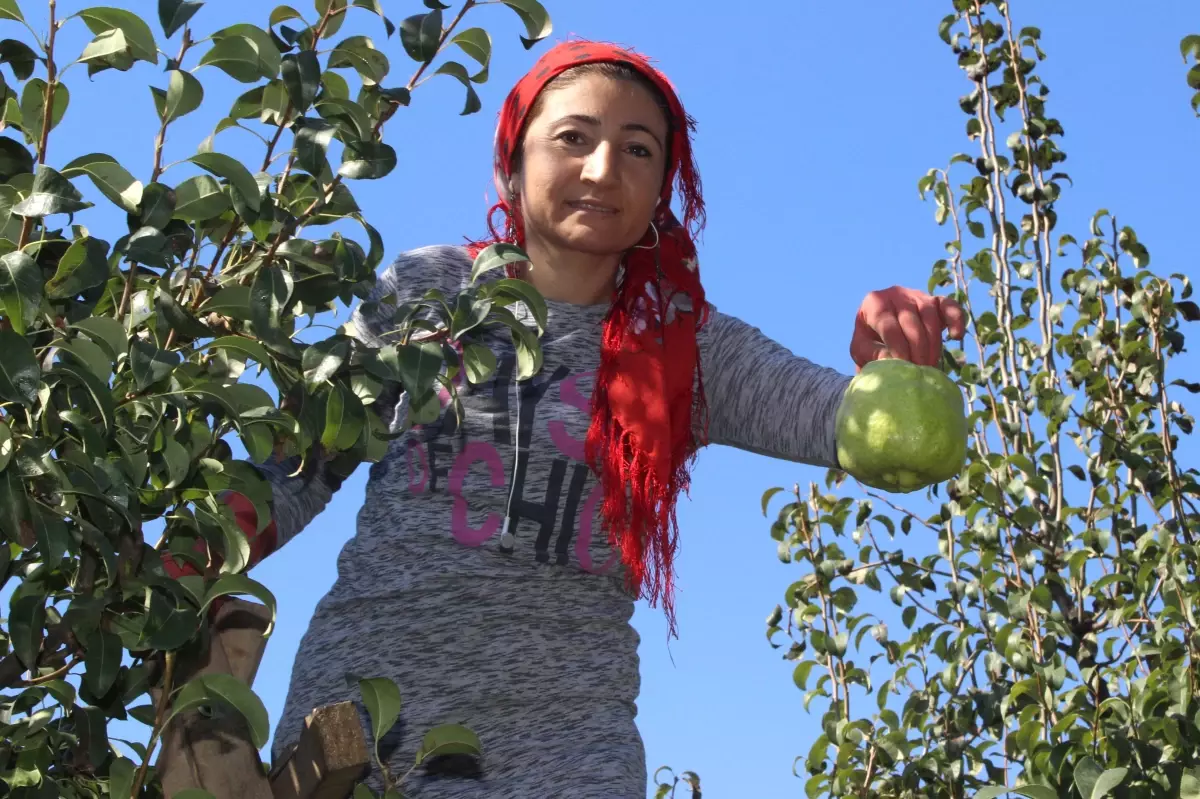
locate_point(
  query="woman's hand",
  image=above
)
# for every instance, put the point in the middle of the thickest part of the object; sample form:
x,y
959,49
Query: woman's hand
x,y
904,323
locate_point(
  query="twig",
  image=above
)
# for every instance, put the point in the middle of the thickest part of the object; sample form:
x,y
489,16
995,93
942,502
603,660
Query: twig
x,y
164,700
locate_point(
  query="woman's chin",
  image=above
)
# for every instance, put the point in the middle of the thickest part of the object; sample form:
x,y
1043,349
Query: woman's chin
x,y
597,240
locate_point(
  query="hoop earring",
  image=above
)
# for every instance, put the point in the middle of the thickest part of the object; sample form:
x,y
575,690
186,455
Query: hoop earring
x,y
653,246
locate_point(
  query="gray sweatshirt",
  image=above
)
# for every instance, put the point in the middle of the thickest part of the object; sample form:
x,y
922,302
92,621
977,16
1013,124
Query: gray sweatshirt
x,y
523,636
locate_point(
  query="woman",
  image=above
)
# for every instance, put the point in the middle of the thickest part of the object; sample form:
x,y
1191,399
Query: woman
x,y
482,578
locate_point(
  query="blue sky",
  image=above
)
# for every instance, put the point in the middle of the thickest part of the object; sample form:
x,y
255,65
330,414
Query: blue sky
x,y
815,123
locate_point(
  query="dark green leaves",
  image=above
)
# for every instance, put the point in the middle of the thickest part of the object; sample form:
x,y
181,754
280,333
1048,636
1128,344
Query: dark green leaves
x,y
229,691
27,617
83,266
240,584
479,363
421,34
239,177
20,374
312,143
14,158
322,360
150,363
236,56
459,72
51,194
112,179
19,56
20,289
269,294
477,43
367,160
381,698
102,660
138,37
33,106
10,10
184,95
449,739
495,257
199,198
174,14
536,19
301,78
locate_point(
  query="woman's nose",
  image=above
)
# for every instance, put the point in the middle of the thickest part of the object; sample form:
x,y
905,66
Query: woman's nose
x,y
600,165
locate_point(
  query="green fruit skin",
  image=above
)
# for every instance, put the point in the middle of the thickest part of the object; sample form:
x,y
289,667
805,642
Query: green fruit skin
x,y
901,427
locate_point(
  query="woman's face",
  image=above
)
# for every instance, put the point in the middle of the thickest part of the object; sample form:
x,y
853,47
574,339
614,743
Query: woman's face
x,y
592,167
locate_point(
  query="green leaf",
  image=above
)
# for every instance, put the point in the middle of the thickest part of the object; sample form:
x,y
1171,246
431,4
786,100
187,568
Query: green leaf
x,y
174,14
420,35
529,353
283,14
354,121
20,289
477,43
51,194
100,50
236,56
240,178
51,533
322,360
344,419
767,496
184,95
536,19
14,158
12,507
100,393
26,618
367,160
10,10
102,660
512,289
449,739
33,106
301,78
137,33
240,584
89,355
121,773
458,71
227,690
199,198
83,266
20,374
479,363
312,142
150,364
157,206
176,317
267,55
359,53
269,295
495,257
106,331
112,179
382,700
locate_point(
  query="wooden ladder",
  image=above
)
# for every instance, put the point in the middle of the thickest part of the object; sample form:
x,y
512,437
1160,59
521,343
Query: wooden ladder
x,y
215,753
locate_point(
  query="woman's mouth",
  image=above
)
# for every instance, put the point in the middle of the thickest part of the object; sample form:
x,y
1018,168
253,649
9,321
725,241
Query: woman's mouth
x,y
594,207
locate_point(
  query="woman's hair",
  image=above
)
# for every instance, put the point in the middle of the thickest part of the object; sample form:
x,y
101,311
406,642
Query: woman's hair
x,y
613,70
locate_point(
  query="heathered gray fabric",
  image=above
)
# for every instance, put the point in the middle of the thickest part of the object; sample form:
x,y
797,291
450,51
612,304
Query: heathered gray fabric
x,y
524,638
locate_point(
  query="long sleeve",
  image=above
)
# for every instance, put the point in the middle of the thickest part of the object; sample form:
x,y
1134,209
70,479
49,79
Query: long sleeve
x,y
765,399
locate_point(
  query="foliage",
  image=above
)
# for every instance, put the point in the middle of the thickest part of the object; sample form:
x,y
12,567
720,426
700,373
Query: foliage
x,y
1050,642
125,356
1190,47
666,790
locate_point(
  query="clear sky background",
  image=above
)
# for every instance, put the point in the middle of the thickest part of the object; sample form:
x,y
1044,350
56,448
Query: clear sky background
x,y
815,121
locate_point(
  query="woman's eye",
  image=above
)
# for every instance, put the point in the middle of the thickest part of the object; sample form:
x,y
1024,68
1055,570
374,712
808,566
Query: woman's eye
x,y
640,150
570,137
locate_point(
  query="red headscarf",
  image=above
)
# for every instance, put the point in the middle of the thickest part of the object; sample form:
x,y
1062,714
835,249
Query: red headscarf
x,y
648,410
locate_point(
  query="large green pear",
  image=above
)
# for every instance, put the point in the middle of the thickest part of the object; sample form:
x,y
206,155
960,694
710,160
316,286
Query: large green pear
x,y
901,427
